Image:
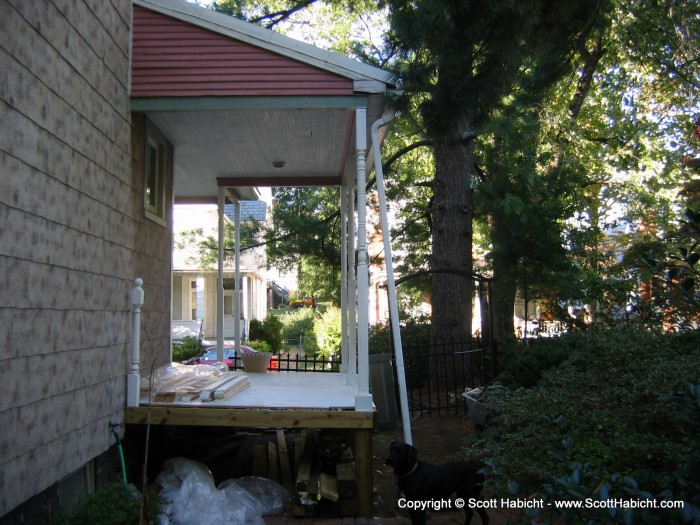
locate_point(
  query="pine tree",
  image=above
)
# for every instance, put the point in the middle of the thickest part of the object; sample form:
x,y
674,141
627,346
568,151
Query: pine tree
x,y
466,57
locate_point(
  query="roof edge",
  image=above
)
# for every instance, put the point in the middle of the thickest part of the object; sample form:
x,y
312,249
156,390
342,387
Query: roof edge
x,y
366,77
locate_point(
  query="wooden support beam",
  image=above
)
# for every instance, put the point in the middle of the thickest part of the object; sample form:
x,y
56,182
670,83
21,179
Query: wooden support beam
x,y
285,467
363,464
273,472
248,417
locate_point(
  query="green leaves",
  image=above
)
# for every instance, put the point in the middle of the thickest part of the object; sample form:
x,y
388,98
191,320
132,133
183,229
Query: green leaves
x,y
597,415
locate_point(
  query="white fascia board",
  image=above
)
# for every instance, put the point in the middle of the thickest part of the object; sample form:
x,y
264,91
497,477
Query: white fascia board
x,y
272,41
369,86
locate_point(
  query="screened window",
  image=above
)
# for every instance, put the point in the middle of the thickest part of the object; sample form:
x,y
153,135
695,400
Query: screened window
x,y
156,171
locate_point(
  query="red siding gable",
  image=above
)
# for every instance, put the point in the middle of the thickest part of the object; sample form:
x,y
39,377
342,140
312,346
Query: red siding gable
x,y
174,58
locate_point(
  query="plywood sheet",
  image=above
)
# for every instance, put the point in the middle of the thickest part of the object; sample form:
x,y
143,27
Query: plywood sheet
x,y
294,390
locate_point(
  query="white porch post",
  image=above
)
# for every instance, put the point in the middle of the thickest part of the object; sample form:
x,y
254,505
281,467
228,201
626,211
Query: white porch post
x,y
133,380
352,287
363,400
344,321
236,288
220,281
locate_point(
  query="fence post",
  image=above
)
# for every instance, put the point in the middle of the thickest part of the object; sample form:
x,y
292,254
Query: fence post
x,y
133,381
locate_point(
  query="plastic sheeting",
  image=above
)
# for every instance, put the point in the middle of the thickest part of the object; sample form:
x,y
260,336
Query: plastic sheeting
x,y
192,498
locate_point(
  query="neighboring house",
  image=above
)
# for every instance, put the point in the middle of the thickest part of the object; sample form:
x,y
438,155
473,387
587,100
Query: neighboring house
x,y
108,115
194,288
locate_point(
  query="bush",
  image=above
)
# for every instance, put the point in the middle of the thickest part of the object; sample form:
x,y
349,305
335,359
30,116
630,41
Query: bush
x,y
298,323
185,349
413,332
606,412
116,504
272,327
256,330
328,333
269,330
260,346
524,365
380,339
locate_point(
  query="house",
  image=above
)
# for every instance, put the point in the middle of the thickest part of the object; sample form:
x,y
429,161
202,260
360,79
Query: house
x,y
109,113
195,281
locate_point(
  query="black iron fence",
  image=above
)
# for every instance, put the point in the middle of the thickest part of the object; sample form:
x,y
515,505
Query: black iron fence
x,y
298,362
438,374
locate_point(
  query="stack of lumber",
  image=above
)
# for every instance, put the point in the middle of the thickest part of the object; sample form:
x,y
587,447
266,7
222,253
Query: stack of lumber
x,y
225,389
190,388
325,480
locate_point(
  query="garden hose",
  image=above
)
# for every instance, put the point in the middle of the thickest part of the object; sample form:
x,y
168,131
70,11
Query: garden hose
x,y
113,427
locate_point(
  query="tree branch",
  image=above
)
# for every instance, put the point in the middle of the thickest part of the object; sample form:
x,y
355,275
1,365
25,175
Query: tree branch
x,y
280,16
586,79
385,166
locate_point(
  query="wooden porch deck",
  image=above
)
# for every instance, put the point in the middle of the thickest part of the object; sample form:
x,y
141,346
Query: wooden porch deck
x,y
284,400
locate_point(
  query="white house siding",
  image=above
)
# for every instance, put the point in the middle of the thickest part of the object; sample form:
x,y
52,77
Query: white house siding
x,y
253,305
190,217
72,238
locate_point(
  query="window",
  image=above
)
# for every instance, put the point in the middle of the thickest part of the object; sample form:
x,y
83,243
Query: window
x,y
193,298
228,295
156,171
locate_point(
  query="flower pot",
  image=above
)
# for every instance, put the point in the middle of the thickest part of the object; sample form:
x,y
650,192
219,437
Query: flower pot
x,y
257,362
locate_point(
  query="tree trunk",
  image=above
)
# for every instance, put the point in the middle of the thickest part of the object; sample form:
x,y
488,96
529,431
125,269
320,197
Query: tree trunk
x,y
504,289
452,215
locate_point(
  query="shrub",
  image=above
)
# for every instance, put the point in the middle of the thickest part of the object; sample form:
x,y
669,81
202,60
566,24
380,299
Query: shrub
x,y
272,327
583,482
380,339
327,330
298,323
269,330
185,349
256,330
116,504
260,346
609,406
413,332
525,364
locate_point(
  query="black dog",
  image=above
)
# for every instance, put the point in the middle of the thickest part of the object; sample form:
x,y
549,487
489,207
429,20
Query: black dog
x,y
422,482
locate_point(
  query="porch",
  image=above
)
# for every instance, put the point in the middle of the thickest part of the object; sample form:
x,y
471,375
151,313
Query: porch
x,y
285,400
246,108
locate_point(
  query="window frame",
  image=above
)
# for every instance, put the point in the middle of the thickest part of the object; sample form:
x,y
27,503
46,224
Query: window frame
x,y
155,174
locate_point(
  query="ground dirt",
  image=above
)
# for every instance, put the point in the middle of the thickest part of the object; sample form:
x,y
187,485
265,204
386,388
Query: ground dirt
x,y
438,439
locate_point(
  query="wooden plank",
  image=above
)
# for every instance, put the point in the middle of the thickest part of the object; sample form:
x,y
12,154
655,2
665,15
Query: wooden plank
x,y
207,393
305,464
328,487
248,417
231,388
285,467
295,455
363,462
347,483
272,462
299,447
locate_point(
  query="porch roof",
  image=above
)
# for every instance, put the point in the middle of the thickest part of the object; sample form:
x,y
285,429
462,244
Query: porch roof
x,y
245,106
